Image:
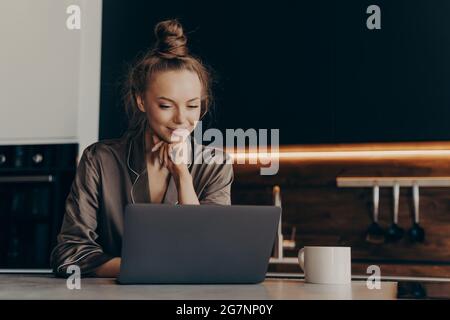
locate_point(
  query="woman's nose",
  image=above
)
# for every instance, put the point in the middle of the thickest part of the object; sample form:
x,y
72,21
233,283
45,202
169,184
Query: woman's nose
x,y
180,116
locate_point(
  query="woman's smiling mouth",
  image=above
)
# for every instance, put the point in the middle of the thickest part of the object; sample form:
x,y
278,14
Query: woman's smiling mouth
x,y
179,132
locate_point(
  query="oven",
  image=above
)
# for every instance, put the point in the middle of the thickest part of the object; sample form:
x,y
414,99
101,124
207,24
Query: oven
x,y
34,183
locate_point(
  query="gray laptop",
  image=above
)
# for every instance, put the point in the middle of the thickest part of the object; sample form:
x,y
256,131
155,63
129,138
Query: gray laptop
x,y
197,243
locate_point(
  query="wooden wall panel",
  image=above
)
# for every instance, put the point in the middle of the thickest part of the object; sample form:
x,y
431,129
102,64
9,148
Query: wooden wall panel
x,y
324,214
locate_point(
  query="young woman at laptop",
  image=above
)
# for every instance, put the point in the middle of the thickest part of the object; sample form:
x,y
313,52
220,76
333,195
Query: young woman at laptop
x,y
167,92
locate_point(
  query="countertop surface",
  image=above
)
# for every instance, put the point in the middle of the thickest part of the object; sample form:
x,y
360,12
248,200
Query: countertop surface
x,y
47,287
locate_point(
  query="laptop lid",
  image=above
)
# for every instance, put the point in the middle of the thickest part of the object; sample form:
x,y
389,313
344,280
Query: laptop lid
x,y
197,243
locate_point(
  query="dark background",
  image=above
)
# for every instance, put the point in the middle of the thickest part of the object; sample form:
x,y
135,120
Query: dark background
x,y
310,68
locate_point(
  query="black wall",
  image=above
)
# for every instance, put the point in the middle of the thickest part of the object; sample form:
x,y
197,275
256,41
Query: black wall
x,y
310,68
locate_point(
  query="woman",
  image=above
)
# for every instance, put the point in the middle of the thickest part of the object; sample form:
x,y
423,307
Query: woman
x,y
167,92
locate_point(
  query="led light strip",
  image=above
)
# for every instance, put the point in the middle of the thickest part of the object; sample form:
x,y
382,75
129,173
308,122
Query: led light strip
x,y
340,154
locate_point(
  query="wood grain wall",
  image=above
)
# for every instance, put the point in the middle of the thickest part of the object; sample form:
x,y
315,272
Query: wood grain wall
x,y
324,214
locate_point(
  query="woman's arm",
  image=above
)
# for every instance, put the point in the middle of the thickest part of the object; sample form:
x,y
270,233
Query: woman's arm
x,y
220,177
77,243
109,269
218,188
179,171
185,188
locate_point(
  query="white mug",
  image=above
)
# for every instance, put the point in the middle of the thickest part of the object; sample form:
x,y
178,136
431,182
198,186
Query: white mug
x,y
326,265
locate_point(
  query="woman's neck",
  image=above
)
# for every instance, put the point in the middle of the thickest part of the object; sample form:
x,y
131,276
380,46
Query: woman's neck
x,y
150,141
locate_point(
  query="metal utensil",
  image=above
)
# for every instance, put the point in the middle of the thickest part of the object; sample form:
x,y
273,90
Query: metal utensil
x,y
395,233
416,233
278,245
375,234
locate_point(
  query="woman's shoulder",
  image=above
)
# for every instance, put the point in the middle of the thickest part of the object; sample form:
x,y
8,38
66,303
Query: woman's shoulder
x,y
105,149
212,168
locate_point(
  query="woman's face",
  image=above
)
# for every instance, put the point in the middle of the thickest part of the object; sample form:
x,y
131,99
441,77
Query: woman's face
x,y
171,102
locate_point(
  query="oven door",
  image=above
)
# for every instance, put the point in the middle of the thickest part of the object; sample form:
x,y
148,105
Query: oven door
x,y
34,183
25,221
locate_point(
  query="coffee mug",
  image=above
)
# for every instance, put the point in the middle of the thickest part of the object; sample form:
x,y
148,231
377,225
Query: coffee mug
x,y
326,265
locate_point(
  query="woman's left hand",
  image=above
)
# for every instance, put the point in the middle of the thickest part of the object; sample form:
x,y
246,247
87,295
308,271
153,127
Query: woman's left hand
x,y
173,156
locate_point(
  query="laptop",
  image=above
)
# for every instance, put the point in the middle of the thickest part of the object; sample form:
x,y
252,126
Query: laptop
x,y
197,244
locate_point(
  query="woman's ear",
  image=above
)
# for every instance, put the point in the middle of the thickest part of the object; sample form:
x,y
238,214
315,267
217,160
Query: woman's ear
x,y
140,103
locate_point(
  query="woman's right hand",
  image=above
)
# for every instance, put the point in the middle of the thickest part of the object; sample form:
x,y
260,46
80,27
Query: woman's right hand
x,y
109,269
174,156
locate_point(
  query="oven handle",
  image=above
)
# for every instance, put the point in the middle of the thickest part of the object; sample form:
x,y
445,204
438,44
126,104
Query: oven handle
x,y
15,179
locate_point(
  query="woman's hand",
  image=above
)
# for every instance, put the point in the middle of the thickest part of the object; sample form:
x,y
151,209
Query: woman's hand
x,y
109,269
175,157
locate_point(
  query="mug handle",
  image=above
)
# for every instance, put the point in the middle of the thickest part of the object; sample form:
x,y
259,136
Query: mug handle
x,y
301,258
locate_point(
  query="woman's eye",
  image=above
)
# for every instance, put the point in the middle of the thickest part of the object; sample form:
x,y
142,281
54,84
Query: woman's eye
x,y
164,106
193,107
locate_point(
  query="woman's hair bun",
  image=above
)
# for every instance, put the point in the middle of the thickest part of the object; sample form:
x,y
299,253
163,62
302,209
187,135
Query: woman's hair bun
x,y
170,39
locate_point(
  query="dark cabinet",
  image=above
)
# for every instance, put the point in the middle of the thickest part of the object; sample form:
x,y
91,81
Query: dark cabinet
x,y
34,182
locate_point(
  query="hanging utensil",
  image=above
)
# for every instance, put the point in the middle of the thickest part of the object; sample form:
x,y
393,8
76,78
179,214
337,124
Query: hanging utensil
x,y
375,234
416,233
278,245
395,233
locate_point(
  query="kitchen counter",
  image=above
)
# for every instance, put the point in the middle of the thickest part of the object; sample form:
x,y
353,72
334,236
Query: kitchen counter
x,y
47,287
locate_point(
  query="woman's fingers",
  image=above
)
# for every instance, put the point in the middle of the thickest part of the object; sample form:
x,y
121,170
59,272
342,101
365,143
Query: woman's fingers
x,y
170,153
161,154
167,153
156,139
157,146
179,153
166,156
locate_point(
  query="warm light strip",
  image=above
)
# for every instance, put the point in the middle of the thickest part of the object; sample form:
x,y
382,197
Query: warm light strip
x,y
341,154
391,181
